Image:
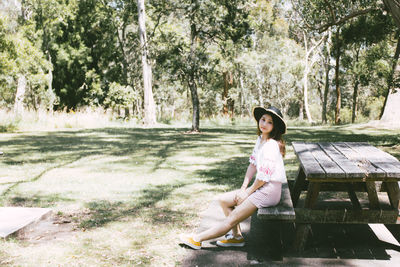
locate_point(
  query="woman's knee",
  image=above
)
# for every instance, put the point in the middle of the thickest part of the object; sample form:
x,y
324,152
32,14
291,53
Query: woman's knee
x,y
227,199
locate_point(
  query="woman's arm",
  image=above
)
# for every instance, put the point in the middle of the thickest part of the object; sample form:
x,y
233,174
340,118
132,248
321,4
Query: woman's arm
x,y
251,170
257,184
242,193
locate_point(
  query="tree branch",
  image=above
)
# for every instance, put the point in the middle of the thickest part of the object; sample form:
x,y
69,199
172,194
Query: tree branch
x,y
344,19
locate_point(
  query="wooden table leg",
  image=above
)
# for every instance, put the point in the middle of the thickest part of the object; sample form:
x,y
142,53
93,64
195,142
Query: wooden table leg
x,y
372,195
393,192
303,229
353,196
300,239
298,186
312,194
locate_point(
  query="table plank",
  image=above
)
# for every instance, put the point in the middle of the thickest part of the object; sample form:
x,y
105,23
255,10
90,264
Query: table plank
x,y
310,165
370,170
331,169
378,158
304,215
350,168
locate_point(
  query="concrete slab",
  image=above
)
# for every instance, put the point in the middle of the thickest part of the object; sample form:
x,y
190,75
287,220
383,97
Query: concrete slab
x,y
16,219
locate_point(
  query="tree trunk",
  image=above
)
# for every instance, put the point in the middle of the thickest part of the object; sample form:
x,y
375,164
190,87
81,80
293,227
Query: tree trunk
x,y
355,90
195,104
337,81
326,91
241,95
20,95
327,69
228,82
355,94
307,66
394,9
192,81
390,84
392,109
149,105
305,80
51,95
301,110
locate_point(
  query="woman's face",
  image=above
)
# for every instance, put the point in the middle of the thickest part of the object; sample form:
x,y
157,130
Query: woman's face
x,y
266,124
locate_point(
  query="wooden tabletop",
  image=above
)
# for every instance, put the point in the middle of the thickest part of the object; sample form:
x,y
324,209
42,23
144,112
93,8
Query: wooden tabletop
x,y
344,161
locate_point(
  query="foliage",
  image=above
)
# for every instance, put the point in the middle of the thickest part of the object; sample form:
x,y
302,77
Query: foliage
x,y
78,54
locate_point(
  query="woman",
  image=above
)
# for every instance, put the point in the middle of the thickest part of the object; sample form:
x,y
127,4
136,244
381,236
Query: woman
x,y
266,162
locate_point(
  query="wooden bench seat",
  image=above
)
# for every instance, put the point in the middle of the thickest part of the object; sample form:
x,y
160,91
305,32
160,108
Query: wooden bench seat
x,y
284,211
267,230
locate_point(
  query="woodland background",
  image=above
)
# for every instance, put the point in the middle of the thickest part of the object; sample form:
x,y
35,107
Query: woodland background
x,y
159,61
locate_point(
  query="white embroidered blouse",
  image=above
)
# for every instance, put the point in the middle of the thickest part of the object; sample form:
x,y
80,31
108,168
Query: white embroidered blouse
x,y
268,160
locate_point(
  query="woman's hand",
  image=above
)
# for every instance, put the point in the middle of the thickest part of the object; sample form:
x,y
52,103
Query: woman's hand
x,y
241,195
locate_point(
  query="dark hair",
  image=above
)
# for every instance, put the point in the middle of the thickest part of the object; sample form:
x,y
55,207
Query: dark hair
x,y
275,134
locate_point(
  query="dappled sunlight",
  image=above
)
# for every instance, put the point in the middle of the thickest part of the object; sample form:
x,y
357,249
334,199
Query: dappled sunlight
x,y
126,184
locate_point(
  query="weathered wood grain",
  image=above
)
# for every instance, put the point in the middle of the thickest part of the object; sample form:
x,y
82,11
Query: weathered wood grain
x,y
310,165
331,168
350,168
370,170
378,158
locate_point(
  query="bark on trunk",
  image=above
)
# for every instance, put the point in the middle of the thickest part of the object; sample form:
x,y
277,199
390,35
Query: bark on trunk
x,y
20,95
301,110
390,84
149,105
394,9
326,91
192,81
355,94
327,69
355,90
305,80
228,82
307,66
195,104
337,81
241,95
51,95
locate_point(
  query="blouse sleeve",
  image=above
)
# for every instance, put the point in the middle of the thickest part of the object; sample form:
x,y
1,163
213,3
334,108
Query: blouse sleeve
x,y
253,156
268,161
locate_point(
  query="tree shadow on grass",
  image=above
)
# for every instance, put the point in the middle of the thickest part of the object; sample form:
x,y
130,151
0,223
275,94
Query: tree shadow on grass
x,y
37,200
102,212
227,172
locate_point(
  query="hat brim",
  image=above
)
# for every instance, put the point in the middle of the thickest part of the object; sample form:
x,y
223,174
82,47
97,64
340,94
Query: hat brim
x,y
259,111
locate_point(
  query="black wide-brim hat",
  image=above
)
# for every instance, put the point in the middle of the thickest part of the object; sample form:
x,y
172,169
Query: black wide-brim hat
x,y
273,111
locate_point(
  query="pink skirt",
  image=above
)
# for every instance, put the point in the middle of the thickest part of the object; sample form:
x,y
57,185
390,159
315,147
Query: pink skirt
x,y
267,195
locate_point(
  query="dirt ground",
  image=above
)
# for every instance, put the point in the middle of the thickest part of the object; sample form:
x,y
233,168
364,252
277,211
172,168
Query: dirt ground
x,y
53,227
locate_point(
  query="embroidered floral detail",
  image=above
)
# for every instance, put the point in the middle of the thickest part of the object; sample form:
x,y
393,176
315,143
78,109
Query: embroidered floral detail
x,y
252,160
267,171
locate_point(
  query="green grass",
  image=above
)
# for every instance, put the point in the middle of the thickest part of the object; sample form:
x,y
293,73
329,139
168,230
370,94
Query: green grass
x,y
131,191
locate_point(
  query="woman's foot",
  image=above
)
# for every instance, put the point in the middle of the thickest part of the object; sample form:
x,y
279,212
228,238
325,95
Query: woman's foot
x,y
189,241
231,241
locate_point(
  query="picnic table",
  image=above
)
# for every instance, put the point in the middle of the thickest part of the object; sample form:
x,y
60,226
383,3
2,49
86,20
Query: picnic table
x,y
368,176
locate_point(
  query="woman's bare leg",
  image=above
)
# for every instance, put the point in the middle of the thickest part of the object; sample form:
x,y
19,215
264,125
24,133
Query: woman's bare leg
x,y
239,214
228,203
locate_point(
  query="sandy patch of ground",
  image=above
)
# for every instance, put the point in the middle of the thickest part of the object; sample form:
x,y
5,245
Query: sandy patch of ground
x,y
54,227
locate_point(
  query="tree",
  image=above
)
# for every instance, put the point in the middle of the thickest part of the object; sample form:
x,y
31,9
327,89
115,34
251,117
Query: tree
x,y
391,108
187,53
149,105
321,15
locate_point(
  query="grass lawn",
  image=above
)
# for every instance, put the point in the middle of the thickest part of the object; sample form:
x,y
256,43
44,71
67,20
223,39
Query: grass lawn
x,y
129,192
